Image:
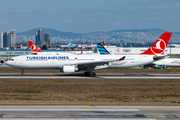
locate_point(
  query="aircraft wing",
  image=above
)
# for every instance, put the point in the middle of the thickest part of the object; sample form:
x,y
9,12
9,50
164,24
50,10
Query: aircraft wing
x,y
159,57
97,63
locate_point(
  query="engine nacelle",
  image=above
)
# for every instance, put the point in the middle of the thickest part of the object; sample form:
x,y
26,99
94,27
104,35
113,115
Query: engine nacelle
x,y
2,61
69,69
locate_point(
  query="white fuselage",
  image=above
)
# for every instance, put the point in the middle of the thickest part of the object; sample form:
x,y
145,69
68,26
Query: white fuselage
x,y
58,61
168,62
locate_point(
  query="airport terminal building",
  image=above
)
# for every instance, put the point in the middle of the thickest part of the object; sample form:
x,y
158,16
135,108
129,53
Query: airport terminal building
x,y
137,50
7,54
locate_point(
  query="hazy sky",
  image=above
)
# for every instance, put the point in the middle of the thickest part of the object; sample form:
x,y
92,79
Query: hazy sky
x,y
83,16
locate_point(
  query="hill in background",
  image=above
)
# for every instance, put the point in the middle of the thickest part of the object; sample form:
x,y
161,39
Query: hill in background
x,y
114,36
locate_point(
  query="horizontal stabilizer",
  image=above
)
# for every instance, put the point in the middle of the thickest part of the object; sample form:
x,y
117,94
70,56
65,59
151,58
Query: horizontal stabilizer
x,y
122,58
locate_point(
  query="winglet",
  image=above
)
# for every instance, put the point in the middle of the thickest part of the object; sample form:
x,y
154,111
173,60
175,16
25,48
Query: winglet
x,y
159,46
102,50
122,58
33,47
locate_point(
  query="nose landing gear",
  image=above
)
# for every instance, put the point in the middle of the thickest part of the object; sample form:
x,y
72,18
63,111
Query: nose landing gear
x,y
22,72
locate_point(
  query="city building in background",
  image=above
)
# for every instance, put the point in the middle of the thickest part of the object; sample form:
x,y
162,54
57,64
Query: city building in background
x,y
6,39
9,38
47,39
1,40
39,38
13,37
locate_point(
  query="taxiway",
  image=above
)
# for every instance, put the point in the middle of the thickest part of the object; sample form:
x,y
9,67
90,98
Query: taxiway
x,y
89,112
82,76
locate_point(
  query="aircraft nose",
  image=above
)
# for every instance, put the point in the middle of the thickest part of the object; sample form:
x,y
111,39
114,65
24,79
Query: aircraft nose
x,y
7,63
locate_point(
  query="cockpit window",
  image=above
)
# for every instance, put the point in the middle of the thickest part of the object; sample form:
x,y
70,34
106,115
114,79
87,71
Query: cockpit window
x,y
11,59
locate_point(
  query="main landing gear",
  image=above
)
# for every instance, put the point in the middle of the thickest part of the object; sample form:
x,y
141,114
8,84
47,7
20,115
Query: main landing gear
x,y
91,74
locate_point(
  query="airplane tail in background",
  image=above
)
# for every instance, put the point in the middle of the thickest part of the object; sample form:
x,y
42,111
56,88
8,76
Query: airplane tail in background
x,y
102,50
33,47
159,46
71,44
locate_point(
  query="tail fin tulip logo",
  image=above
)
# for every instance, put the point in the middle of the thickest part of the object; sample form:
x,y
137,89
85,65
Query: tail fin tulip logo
x,y
158,47
33,47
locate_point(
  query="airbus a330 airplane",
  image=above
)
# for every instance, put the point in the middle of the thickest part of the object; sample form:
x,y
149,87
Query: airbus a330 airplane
x,y
69,63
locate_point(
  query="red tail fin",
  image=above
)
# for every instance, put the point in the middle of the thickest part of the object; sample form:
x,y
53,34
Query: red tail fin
x,y
33,47
159,46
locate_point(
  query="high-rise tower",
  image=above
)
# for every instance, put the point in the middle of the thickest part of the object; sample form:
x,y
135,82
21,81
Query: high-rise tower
x,y
1,40
7,39
39,37
47,39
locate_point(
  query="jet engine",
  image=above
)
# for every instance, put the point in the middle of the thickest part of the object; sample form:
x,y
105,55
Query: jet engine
x,y
69,69
2,61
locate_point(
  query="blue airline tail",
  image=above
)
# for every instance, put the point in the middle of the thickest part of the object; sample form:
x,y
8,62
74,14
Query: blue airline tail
x,y
71,44
102,50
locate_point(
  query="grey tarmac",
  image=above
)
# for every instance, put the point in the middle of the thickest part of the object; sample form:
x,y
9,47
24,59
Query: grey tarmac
x,y
82,76
80,112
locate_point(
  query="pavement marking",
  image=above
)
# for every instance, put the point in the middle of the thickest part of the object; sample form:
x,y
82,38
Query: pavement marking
x,y
69,110
74,77
100,76
171,116
88,105
78,119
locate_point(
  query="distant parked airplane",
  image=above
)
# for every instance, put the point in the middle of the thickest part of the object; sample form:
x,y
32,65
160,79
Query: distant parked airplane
x,y
168,62
70,46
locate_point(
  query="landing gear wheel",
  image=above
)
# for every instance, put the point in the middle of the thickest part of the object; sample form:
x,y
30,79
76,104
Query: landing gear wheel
x,y
86,73
91,74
